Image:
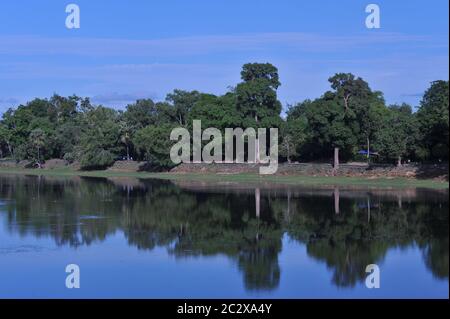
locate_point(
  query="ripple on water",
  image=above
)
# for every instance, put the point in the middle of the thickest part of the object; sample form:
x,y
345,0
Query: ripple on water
x,y
22,249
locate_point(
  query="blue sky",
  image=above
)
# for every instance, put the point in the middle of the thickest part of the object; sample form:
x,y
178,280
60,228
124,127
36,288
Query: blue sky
x,y
133,49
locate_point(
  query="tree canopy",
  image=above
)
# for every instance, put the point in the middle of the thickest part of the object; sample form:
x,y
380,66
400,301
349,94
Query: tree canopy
x,y
350,116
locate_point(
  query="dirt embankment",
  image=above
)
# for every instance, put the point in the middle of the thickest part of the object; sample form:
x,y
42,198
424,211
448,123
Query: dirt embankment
x,y
425,171
419,171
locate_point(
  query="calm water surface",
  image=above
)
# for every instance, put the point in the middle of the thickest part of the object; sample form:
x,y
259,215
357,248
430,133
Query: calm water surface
x,y
152,238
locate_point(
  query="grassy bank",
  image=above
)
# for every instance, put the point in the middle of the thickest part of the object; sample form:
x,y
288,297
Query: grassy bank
x,y
244,178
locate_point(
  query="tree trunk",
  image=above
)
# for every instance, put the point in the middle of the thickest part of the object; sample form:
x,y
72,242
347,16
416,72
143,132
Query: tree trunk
x,y
368,151
257,202
399,161
336,158
10,150
39,157
288,210
256,142
346,98
336,200
128,153
288,154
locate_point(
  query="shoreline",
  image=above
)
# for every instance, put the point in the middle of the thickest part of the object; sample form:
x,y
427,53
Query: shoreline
x,y
382,182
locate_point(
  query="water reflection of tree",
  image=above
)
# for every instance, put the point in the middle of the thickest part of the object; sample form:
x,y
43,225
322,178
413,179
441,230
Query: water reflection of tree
x,y
61,208
436,257
349,241
195,224
346,232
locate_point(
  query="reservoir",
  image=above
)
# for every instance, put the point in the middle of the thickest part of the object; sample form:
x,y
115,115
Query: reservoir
x,y
150,238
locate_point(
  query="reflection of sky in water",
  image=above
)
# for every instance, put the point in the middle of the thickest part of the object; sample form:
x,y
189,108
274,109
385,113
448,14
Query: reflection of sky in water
x,y
127,247
114,269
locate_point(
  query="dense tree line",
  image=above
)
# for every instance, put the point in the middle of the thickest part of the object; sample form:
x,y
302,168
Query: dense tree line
x,y
350,117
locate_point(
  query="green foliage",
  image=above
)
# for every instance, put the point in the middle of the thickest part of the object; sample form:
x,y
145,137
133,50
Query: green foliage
x,y
434,120
38,140
328,126
397,137
154,143
216,111
53,116
350,117
349,89
181,104
95,157
140,114
256,97
67,137
293,134
100,139
5,139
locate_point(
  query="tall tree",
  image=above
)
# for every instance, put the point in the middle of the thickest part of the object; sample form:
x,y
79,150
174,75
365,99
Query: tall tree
x,y
140,114
100,139
182,102
293,135
257,97
434,121
363,108
154,143
397,137
5,139
348,88
126,133
328,128
37,140
215,111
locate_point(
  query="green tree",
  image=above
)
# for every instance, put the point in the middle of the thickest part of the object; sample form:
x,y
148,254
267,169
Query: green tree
x,y
433,121
328,127
293,136
257,96
126,132
181,103
65,109
100,139
5,139
397,138
364,108
67,138
37,140
347,118
154,143
348,88
215,111
140,114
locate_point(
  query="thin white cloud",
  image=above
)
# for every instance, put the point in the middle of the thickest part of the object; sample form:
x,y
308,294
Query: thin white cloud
x,y
195,45
8,100
120,98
